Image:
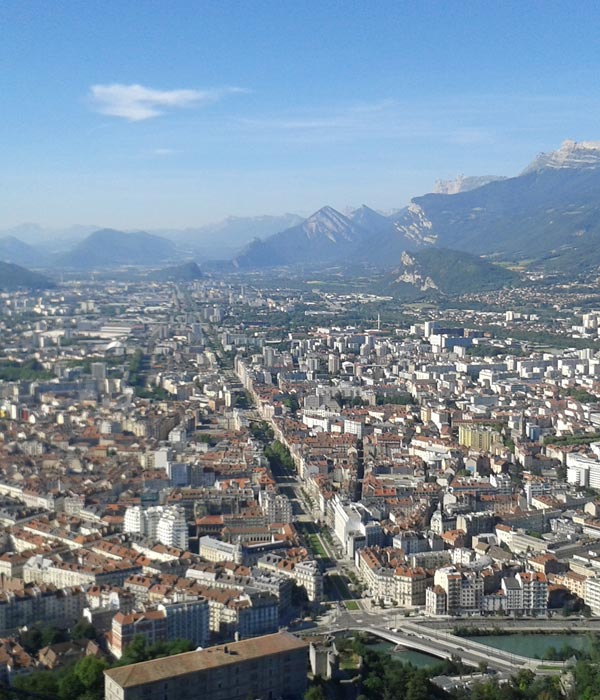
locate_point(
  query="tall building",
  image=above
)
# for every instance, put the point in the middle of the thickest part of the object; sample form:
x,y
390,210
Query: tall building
x,y
478,437
333,364
172,529
179,473
276,507
164,524
592,594
133,521
269,667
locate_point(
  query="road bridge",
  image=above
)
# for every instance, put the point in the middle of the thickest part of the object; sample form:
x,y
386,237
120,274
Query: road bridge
x,y
445,646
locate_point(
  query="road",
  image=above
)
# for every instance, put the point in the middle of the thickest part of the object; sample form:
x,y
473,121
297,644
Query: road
x,y
440,643
395,617
336,568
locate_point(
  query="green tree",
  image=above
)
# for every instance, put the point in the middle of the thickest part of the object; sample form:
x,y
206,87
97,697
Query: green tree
x,y
52,635
279,456
135,652
179,646
69,686
417,688
83,630
315,692
90,672
31,640
44,684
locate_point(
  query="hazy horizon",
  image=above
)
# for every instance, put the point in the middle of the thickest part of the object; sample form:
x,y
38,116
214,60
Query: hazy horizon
x,y
192,112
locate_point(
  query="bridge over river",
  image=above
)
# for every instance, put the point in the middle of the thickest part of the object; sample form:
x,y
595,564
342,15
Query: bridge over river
x,y
445,645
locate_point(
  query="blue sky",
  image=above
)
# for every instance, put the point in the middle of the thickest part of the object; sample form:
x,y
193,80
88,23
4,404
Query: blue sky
x,y
175,113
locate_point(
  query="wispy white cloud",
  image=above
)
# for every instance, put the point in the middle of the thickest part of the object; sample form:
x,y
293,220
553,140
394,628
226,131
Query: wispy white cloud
x,y
472,121
137,103
163,151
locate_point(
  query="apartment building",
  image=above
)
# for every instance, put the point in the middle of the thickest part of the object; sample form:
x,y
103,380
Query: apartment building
x,y
592,594
215,550
276,507
526,593
164,524
306,574
183,620
268,667
43,603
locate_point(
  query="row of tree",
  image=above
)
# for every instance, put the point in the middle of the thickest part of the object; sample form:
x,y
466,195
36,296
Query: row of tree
x,y
83,680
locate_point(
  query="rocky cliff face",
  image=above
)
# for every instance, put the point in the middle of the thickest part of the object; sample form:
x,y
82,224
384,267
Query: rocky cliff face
x,y
410,273
414,225
550,214
463,184
571,154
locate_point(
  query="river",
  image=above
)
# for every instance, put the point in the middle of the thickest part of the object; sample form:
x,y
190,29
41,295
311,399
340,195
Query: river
x,y
533,645
408,656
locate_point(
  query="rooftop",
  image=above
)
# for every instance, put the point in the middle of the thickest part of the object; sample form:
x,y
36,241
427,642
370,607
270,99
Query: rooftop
x,y
195,661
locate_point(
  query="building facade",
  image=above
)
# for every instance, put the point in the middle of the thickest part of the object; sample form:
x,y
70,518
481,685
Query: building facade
x,y
269,667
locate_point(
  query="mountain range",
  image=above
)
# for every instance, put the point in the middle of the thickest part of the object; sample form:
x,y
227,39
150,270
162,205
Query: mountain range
x,y
548,215
323,237
544,214
109,248
14,250
82,247
225,239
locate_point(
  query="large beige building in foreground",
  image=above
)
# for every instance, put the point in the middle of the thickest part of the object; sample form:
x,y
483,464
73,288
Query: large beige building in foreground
x,y
269,667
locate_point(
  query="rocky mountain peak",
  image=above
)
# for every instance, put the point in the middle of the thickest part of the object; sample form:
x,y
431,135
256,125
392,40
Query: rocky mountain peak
x,y
330,223
463,184
572,154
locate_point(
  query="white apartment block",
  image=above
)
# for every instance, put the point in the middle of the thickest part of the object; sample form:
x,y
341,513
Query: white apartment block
x,y
164,524
276,507
214,550
346,519
172,529
592,594
583,470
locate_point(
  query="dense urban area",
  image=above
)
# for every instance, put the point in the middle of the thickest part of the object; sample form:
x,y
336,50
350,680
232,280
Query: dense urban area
x,y
300,488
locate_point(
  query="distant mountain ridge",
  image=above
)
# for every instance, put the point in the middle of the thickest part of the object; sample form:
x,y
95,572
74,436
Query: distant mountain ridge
x,y
548,215
186,272
225,239
446,272
31,243
108,247
571,155
16,277
13,250
539,214
463,184
324,236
